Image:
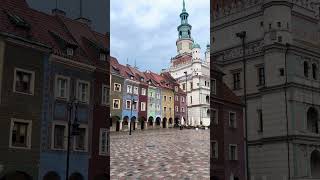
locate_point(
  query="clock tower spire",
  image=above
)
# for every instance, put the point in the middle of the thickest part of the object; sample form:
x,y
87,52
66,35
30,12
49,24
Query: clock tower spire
x,y
184,42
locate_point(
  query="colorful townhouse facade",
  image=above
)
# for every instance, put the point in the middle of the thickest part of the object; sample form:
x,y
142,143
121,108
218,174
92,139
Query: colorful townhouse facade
x,y
116,95
156,97
227,142
130,100
54,66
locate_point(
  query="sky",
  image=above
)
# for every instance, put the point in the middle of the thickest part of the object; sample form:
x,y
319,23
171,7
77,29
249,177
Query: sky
x,y
95,10
144,32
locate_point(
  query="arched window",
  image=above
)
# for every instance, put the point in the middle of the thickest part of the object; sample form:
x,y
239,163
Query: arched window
x,y
306,69
314,71
315,164
312,120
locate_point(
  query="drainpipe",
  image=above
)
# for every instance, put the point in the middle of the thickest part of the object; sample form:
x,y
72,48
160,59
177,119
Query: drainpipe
x,y
286,108
242,36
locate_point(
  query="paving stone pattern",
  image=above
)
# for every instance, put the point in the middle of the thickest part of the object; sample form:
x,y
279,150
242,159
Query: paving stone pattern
x,y
163,154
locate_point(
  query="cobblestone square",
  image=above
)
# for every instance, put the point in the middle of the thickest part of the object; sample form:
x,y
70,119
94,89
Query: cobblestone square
x,y
160,154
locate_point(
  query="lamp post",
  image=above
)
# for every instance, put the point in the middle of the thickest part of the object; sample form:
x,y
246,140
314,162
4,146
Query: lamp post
x,y
133,102
242,36
75,129
187,120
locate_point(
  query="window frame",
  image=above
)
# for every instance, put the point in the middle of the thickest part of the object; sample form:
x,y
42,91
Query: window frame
x,y
65,141
145,104
86,142
57,88
113,100
87,101
127,104
143,91
104,130
235,120
29,133
114,87
261,77
107,97
216,150
236,80
216,118
32,82
236,152
213,88
136,90
130,89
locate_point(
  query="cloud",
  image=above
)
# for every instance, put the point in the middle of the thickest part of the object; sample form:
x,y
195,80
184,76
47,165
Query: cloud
x,y
145,31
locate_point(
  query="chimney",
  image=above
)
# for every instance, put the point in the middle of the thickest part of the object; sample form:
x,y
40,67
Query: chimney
x,y
57,11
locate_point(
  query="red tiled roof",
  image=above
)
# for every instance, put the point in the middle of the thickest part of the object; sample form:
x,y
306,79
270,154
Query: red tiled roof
x,y
228,95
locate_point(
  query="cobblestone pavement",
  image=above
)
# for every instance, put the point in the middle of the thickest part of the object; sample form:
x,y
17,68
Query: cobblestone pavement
x,y
160,154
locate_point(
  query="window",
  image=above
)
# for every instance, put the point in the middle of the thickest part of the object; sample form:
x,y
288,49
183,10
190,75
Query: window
x,y
143,91
20,133
306,69
134,105
184,86
165,98
83,91
158,96
182,109
190,99
69,51
81,140
214,149
170,98
103,142
170,110
143,106
62,87
128,104
59,132
116,104
261,76
314,71
136,90
176,98
142,79
158,107
207,99
102,57
232,119
23,81
281,71
129,89
191,85
165,109
279,24
233,152
105,95
213,86
279,39
236,81
312,120
177,108
151,94
117,87
260,120
176,88
182,99
215,119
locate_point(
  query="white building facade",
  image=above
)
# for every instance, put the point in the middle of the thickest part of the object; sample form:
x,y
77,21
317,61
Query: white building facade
x,y
193,73
281,66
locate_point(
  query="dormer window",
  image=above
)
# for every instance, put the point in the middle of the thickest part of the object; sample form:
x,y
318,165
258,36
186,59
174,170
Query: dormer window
x,y
69,51
131,77
102,57
142,79
149,82
176,88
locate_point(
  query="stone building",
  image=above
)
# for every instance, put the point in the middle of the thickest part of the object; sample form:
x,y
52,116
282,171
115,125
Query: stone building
x,y
192,73
278,80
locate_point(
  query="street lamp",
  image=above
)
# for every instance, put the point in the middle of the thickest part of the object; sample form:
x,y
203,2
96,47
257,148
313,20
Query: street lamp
x,y
242,35
186,97
75,129
133,103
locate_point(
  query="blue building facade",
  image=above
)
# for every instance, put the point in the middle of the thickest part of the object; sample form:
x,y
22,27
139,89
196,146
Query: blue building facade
x,y
53,154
